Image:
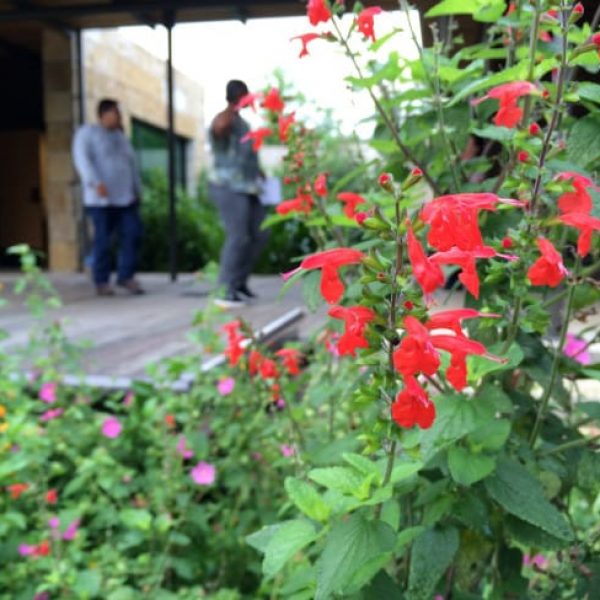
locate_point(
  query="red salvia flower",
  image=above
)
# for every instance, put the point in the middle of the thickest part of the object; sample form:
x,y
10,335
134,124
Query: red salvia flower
x,y
273,101
579,200
412,406
452,319
329,261
234,350
523,156
596,41
16,489
507,243
301,203
170,421
320,185
355,319
428,275
52,496
586,224
257,136
364,21
318,12
290,358
351,201
534,129
268,369
285,122
42,549
416,353
549,268
254,360
305,38
248,100
509,113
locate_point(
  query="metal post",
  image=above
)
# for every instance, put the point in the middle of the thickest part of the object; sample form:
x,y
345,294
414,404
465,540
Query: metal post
x,y
169,23
80,76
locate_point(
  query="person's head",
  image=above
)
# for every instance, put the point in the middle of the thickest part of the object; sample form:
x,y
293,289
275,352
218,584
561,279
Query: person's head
x,y
109,114
235,91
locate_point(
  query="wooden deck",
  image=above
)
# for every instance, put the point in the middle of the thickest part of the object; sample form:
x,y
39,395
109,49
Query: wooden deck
x,y
126,333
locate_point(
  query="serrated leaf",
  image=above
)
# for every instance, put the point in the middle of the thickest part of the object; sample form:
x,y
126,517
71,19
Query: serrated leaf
x,y
490,436
307,499
478,366
583,145
500,134
453,7
289,539
350,546
529,535
341,479
589,91
405,470
521,494
467,468
136,518
363,465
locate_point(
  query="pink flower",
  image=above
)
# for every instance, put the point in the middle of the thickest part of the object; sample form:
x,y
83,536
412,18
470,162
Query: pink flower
x,y
71,530
577,349
48,392
182,448
226,385
128,399
26,550
54,522
539,560
257,456
111,427
203,473
51,414
287,451
280,403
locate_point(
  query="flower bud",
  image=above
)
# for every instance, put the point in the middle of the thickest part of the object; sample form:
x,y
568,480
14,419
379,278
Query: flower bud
x,y
507,243
534,129
386,181
523,156
416,172
408,305
578,9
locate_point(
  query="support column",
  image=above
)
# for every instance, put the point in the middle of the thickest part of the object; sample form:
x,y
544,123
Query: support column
x,y
169,23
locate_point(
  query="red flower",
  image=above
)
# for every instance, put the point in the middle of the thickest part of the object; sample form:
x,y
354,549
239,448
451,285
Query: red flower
x,y
596,41
235,349
170,421
579,200
273,101
578,9
416,353
42,549
318,12
52,496
507,243
586,225
285,122
290,358
258,137
428,275
16,489
320,185
385,181
413,407
301,203
364,21
254,360
248,100
268,369
355,319
329,261
416,172
509,113
522,156
305,38
350,200
549,268
452,319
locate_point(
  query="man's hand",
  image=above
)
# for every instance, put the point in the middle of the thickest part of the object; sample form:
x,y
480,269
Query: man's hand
x,y
101,190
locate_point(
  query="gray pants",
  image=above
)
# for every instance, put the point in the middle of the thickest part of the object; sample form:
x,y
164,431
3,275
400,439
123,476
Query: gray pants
x,y
241,215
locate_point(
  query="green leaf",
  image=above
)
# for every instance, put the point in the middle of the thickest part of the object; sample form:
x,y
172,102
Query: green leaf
x,y
466,468
289,538
521,494
453,7
589,91
432,552
490,436
13,463
478,366
405,470
137,518
500,134
583,145
363,465
490,11
307,499
354,549
87,584
341,479
518,71
531,536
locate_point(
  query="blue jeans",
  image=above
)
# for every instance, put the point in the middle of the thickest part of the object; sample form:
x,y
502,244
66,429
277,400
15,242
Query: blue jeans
x,y
108,221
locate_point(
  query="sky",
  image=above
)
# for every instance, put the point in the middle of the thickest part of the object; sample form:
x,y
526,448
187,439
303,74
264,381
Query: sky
x,y
215,52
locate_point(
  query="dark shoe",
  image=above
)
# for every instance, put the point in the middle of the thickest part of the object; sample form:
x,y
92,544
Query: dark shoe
x,y
230,300
243,289
132,286
104,290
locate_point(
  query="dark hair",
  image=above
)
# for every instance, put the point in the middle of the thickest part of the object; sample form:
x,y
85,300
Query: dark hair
x,y
106,105
235,90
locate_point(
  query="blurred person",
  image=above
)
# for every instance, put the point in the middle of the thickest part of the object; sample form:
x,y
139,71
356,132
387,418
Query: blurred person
x,y
235,185
110,179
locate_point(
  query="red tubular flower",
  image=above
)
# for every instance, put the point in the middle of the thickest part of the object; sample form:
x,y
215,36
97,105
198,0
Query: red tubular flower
x,y
305,38
301,203
549,268
268,369
413,407
254,360
248,100
507,243
579,200
596,41
578,9
52,496
452,319
273,101
364,21
329,261
385,180
355,319
290,358
428,275
523,156
258,137
586,225
509,113
320,185
350,200
318,12
285,122
234,350
416,353
16,489
42,549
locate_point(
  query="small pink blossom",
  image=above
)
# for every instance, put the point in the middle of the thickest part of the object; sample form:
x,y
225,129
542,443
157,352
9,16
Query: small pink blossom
x,y
226,385
203,473
42,596
111,427
182,448
287,451
54,522
257,456
26,550
539,560
71,530
48,392
128,399
51,414
280,403
577,349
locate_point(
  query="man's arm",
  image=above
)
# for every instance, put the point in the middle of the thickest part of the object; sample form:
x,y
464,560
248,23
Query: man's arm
x,y
223,122
84,164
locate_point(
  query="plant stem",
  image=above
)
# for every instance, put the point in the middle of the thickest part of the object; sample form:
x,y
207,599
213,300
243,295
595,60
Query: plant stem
x,y
388,474
569,445
514,326
533,40
386,118
557,358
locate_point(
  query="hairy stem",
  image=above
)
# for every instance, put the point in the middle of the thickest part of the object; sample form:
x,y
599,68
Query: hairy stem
x,y
569,445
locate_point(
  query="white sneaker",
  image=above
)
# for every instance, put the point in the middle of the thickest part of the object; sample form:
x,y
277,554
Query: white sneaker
x,y
230,300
